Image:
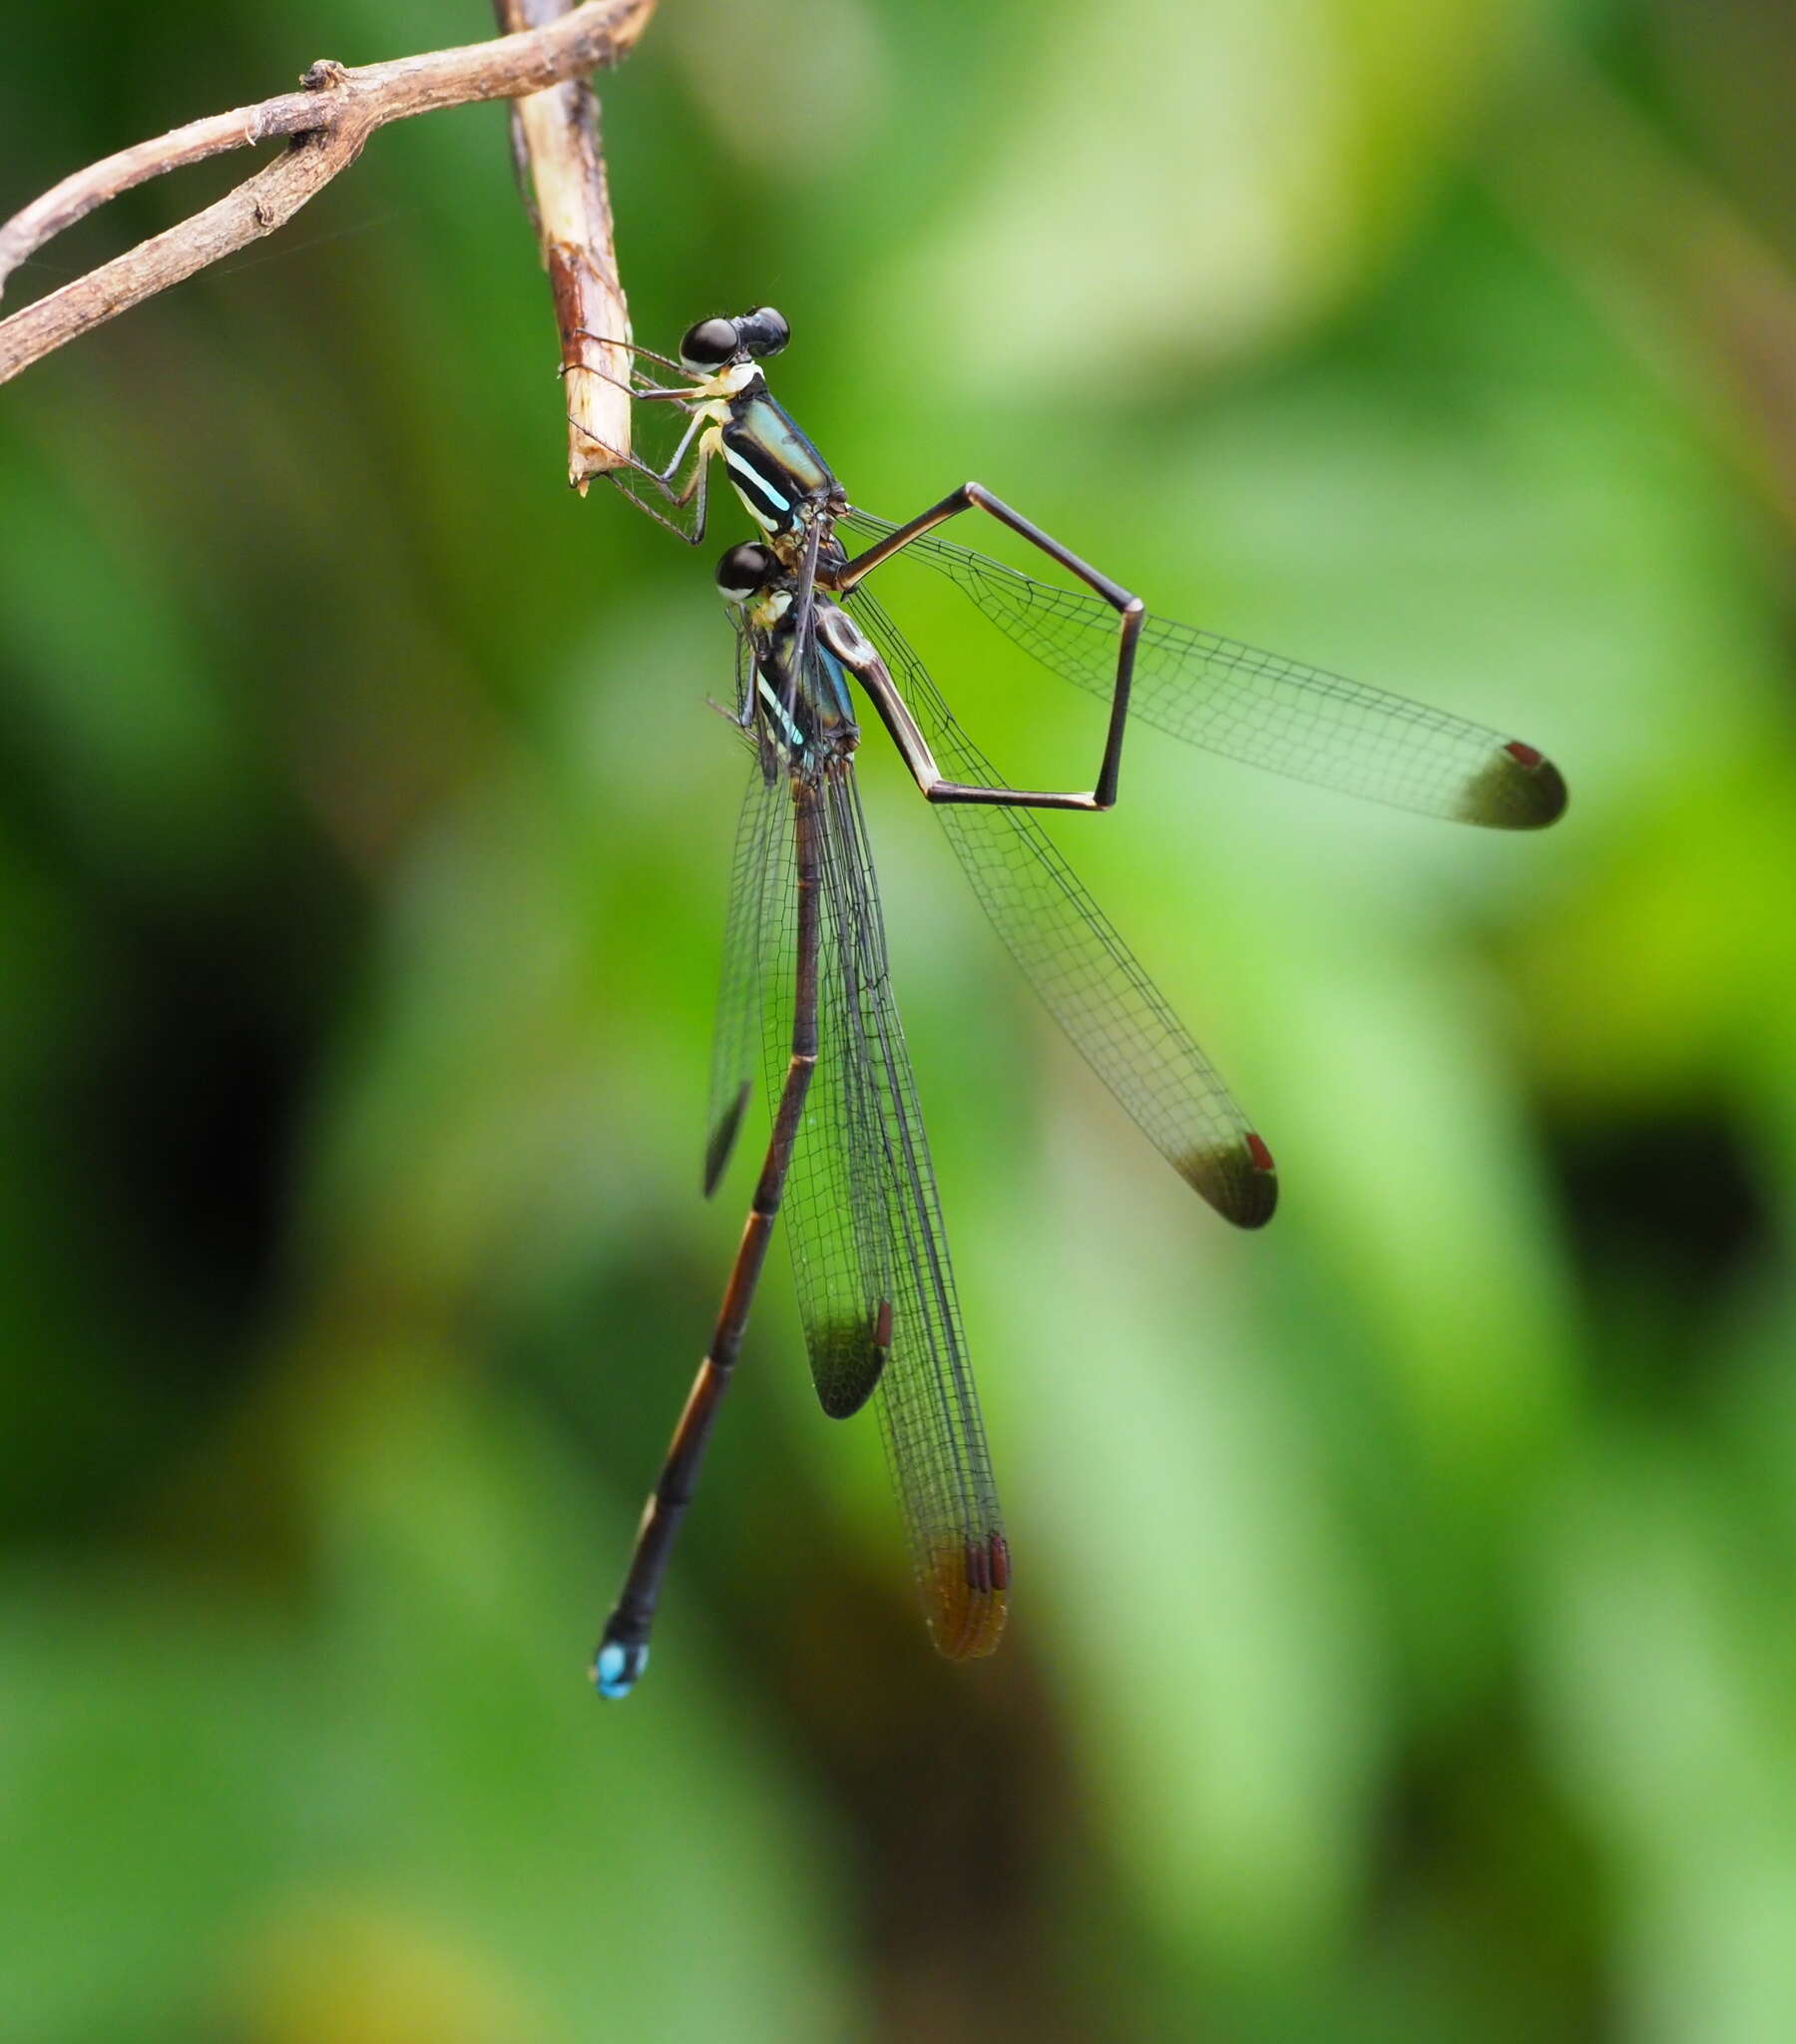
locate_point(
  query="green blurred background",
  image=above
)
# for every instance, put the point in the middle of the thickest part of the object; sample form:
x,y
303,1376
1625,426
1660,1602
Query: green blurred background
x,y
1402,1643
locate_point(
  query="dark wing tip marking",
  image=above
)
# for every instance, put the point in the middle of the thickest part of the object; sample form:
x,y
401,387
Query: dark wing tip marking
x,y
964,1593
1242,1182
723,1139
847,1358
1520,789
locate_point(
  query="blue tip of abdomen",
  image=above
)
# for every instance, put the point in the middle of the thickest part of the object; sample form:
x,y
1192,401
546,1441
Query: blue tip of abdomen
x,y
618,1667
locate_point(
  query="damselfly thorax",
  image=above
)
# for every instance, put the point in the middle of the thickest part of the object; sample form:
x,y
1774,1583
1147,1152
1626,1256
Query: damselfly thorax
x,y
783,482
796,693
784,485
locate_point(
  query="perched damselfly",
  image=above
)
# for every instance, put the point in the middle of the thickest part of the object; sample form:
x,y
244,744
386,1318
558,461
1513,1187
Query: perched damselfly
x,y
807,967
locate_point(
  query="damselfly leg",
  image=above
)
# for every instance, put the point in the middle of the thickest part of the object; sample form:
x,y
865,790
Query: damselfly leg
x,y
646,392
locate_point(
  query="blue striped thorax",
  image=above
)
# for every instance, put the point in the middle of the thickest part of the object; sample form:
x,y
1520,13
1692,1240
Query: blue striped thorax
x,y
785,485
774,468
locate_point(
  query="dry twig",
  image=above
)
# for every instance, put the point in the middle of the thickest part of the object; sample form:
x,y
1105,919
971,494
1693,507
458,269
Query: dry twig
x,y
328,121
562,167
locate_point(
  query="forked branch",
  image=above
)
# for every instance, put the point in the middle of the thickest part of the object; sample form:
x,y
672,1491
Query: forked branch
x,y
325,123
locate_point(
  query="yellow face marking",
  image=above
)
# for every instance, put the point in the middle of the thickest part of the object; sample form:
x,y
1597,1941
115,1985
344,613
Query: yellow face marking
x,y
712,394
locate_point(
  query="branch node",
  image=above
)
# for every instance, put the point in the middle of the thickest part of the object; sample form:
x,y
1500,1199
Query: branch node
x,y
324,75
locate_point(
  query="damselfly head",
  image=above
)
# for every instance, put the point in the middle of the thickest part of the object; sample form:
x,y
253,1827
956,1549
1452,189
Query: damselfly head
x,y
745,570
708,345
764,332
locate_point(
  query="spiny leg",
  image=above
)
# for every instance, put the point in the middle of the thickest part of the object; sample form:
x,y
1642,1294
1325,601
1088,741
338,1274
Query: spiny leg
x,y
633,347
696,483
697,486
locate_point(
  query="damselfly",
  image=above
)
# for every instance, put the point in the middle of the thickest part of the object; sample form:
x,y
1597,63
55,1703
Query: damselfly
x,y
806,949
1249,705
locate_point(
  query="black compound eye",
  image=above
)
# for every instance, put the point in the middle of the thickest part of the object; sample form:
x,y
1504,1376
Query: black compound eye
x,y
764,332
745,569
708,344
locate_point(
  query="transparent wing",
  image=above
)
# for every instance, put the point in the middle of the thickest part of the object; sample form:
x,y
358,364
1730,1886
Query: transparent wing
x,y
764,856
1090,980
1259,709
833,1210
861,1214
928,1406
